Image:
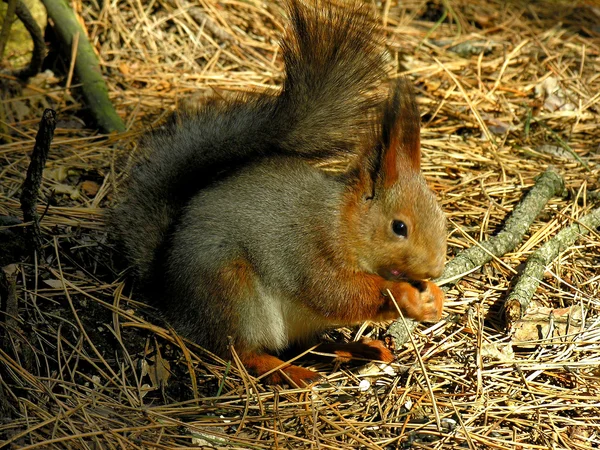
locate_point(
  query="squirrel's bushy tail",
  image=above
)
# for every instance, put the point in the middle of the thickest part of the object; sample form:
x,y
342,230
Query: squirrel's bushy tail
x,y
333,58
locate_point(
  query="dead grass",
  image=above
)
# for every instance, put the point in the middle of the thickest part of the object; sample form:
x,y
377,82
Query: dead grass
x,y
506,89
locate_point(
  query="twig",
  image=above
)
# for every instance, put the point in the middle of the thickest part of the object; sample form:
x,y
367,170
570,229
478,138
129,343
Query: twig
x,y
209,24
520,297
564,145
31,186
39,46
87,66
6,26
546,186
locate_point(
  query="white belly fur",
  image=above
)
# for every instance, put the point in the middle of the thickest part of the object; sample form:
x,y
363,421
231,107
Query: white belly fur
x,y
272,322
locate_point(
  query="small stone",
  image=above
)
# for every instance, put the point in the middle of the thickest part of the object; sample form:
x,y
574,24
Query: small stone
x,y
364,385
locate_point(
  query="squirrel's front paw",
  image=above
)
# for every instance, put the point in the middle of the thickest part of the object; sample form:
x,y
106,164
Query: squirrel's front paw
x,y
422,300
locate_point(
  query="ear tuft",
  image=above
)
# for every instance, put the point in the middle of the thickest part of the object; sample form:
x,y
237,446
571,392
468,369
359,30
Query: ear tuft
x,y
395,148
400,132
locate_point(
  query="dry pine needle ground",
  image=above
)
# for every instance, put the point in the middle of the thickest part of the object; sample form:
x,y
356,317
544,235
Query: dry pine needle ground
x,y
506,89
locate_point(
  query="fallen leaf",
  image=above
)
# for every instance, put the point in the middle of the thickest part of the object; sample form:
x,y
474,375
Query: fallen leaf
x,y
59,174
65,189
546,323
124,69
90,188
498,351
160,371
56,284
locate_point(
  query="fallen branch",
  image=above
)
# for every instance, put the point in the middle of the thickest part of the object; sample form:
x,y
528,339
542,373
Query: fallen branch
x,y
87,66
519,299
546,186
33,181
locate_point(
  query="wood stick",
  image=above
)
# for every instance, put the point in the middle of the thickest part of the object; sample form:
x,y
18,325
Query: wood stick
x,y
520,297
33,180
87,66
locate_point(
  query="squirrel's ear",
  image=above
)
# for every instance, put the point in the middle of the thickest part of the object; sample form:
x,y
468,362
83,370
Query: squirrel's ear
x,y
396,147
400,135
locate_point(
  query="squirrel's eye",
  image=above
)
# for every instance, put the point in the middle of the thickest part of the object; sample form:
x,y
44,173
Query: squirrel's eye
x,y
399,228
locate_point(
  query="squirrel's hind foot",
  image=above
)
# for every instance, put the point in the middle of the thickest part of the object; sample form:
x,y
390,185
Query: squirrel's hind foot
x,y
261,363
370,349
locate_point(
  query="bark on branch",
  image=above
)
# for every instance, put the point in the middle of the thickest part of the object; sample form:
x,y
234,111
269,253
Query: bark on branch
x,y
87,67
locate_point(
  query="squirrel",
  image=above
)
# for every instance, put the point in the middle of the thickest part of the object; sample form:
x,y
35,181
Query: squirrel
x,y
243,241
